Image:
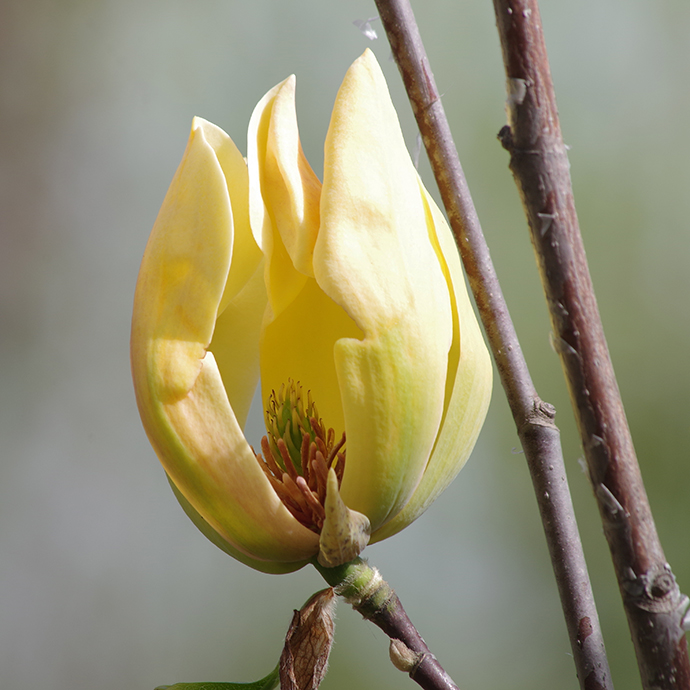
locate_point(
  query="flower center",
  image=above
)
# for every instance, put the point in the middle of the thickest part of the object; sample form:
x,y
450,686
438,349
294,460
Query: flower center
x,y
298,451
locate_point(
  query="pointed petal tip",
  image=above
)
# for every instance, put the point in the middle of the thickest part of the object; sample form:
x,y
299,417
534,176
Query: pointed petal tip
x,y
367,60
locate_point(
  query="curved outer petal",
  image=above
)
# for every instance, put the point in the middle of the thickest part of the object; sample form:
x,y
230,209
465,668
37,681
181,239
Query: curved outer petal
x,y
374,257
266,566
468,386
182,400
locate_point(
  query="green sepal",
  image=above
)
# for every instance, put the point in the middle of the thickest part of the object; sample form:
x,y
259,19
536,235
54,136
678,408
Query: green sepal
x,y
270,682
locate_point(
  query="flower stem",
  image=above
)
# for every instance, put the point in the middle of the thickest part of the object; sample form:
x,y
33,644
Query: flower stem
x,y
368,593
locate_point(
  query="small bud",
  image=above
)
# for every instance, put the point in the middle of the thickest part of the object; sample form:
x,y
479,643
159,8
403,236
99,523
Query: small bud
x,y
403,658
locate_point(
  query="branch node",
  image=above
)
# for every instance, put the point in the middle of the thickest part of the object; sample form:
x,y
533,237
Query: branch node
x,y
610,502
546,409
517,90
546,220
404,658
505,136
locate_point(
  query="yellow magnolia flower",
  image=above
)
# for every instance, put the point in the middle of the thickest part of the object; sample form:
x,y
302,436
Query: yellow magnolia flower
x,y
353,288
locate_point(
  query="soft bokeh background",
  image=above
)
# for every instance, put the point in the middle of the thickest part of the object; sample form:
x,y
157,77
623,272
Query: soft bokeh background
x,y
104,583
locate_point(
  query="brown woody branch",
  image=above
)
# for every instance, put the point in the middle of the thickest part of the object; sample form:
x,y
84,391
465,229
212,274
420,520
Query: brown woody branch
x,y
539,436
653,602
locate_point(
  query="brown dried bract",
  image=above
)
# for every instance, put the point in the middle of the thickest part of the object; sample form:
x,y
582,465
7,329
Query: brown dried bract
x,y
308,642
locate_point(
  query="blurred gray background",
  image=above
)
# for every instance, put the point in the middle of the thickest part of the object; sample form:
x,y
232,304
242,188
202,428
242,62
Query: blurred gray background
x,y
104,583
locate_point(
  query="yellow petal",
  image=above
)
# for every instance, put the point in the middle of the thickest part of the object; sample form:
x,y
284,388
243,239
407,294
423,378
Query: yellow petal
x,y
374,258
181,397
290,187
283,282
303,324
284,195
245,253
468,388
236,334
235,344
299,345
183,273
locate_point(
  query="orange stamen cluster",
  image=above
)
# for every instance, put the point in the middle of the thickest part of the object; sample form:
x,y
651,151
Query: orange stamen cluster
x,y
297,454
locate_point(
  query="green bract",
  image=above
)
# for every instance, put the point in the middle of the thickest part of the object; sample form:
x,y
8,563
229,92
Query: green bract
x,y
352,287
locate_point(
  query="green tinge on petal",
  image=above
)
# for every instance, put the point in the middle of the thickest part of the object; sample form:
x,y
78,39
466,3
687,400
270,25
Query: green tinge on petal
x,y
181,398
209,460
271,567
468,389
373,257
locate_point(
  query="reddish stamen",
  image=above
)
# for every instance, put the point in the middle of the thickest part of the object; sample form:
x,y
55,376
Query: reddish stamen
x,y
304,455
287,460
317,510
268,458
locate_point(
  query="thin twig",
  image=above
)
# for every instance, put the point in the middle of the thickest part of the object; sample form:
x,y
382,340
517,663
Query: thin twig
x,y
369,594
539,436
538,159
